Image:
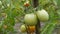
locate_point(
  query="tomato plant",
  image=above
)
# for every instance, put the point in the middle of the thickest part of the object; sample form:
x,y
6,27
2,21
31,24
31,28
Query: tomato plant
x,y
31,13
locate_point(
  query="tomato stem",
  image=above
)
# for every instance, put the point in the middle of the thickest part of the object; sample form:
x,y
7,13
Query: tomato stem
x,y
36,4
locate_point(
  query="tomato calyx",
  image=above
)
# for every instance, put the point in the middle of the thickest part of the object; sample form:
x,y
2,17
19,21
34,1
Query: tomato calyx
x,y
26,4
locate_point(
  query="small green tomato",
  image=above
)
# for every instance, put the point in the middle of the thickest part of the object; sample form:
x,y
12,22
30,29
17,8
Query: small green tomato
x,y
23,28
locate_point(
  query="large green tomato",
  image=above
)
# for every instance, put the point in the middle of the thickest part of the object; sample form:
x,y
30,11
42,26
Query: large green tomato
x,y
23,28
42,15
30,19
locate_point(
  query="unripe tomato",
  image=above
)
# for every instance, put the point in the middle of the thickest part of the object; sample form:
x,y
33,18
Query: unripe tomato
x,y
0,3
8,5
23,28
26,4
3,7
30,19
32,29
42,15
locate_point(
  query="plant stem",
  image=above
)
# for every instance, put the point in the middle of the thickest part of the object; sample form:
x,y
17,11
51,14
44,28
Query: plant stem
x,y
35,4
38,27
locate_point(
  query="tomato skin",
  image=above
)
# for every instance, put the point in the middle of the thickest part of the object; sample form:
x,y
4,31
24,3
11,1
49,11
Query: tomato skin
x,y
32,29
30,19
23,28
42,15
0,2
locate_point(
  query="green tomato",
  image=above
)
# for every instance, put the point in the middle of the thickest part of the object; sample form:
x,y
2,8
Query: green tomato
x,y
3,7
23,28
0,3
42,15
30,19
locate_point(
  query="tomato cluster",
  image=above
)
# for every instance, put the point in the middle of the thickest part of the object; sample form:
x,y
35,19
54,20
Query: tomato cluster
x,y
31,19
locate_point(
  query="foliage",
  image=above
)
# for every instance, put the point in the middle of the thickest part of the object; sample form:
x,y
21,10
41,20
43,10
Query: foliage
x,y
12,10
